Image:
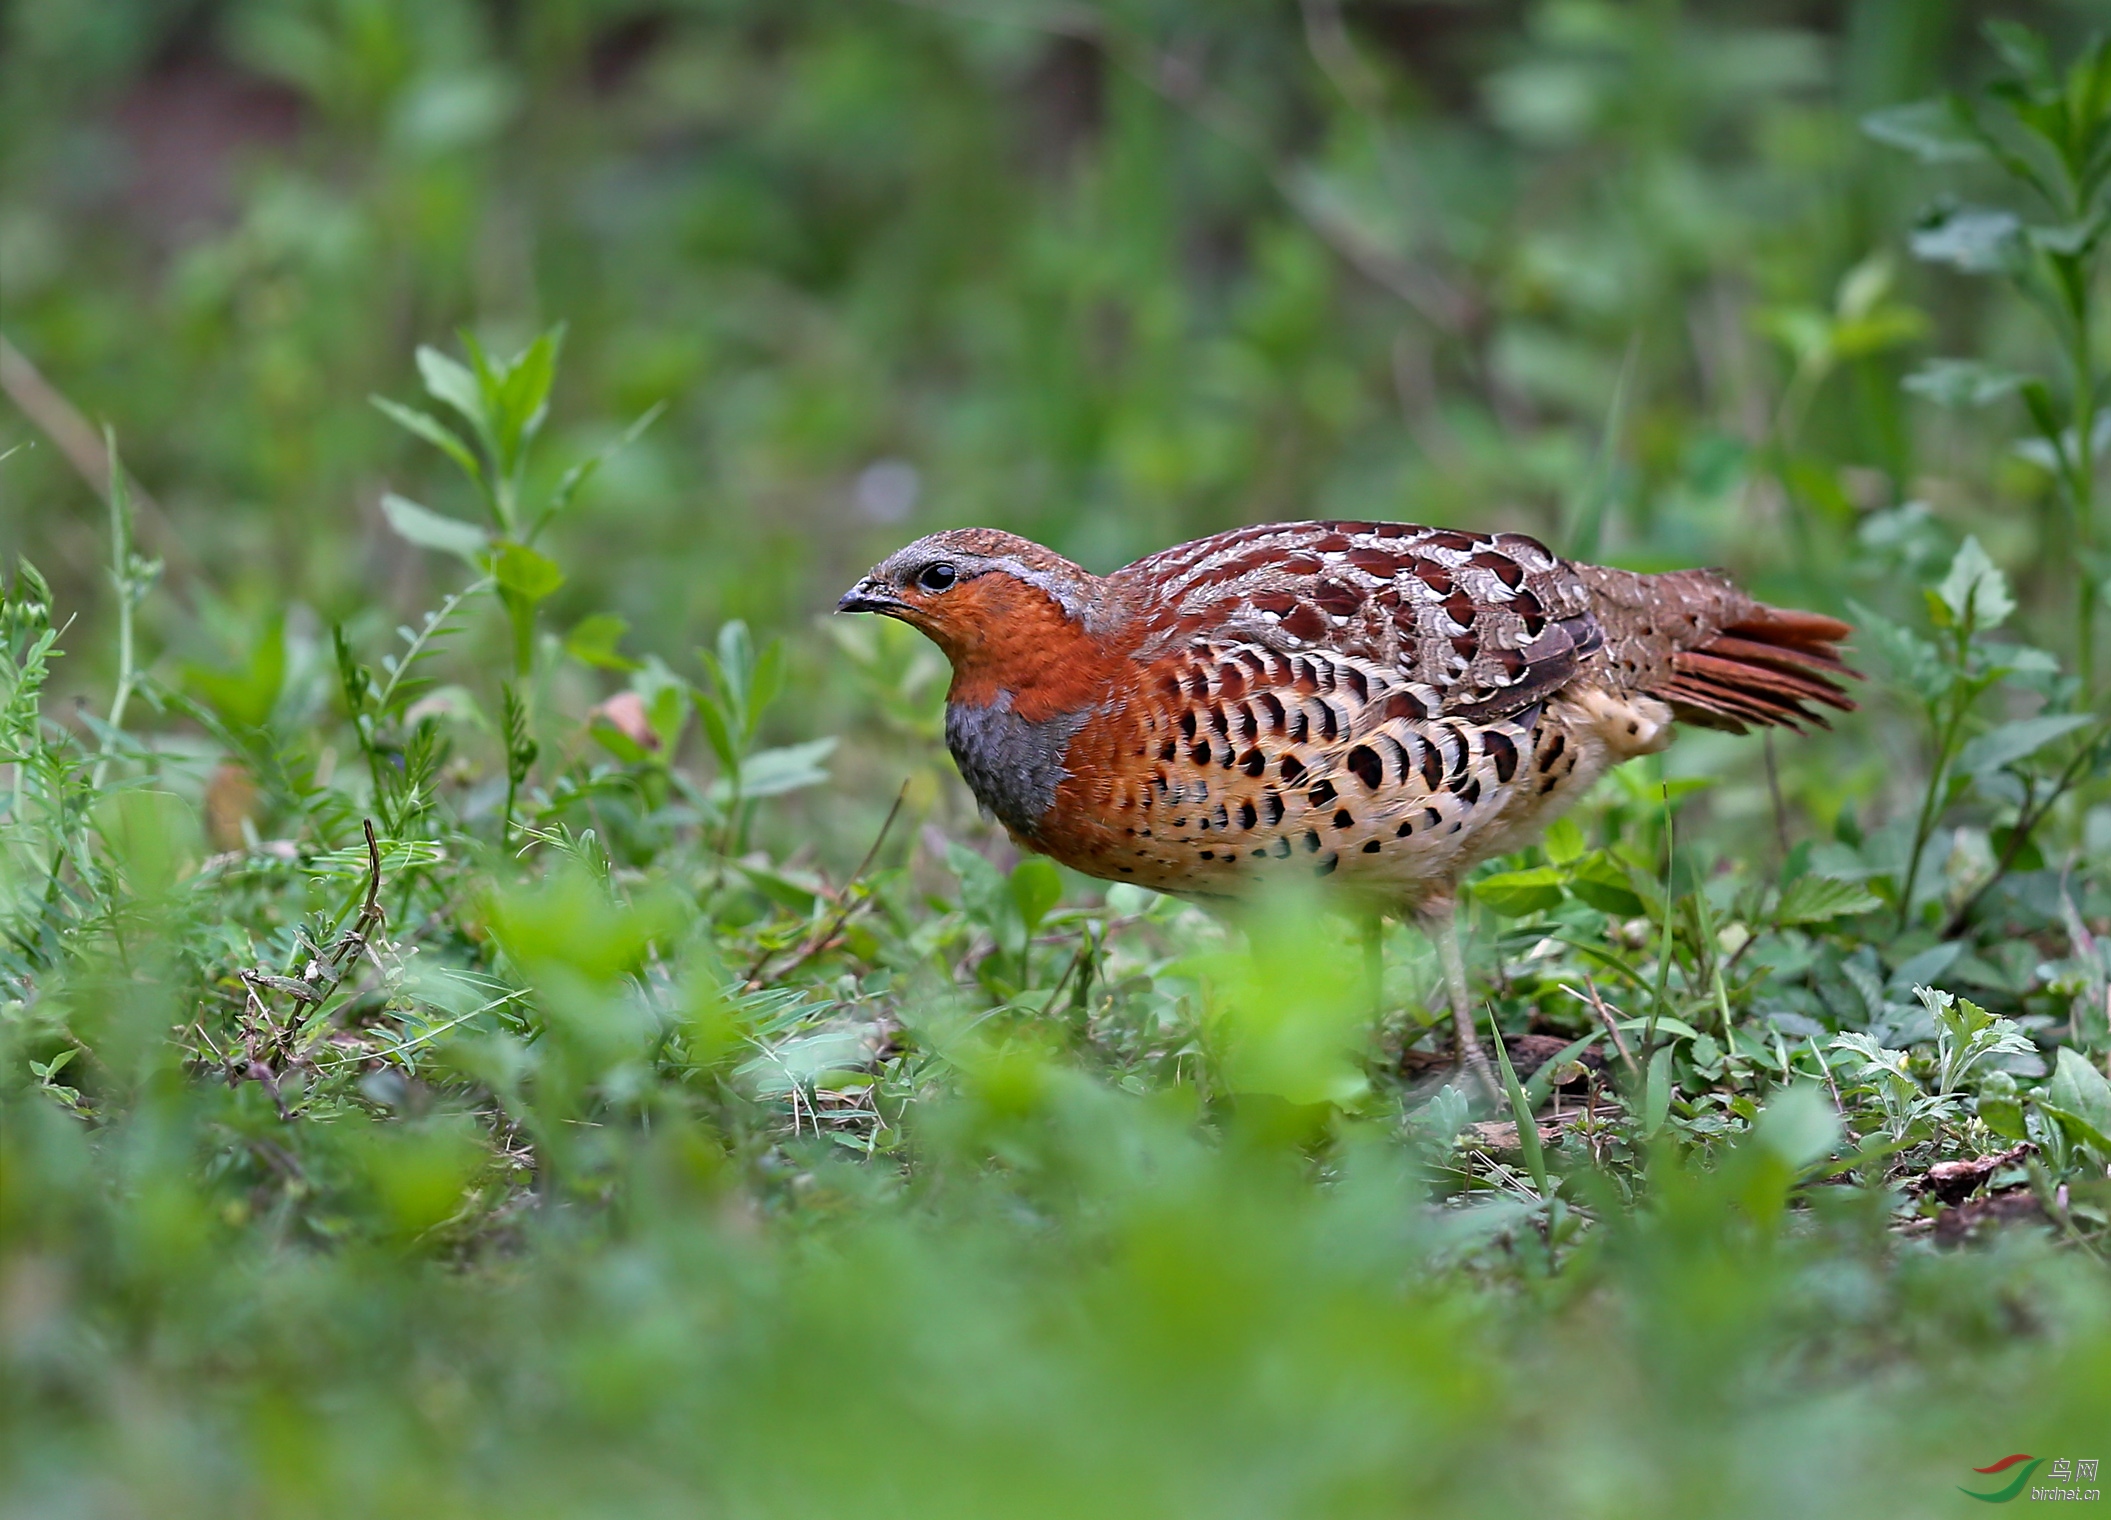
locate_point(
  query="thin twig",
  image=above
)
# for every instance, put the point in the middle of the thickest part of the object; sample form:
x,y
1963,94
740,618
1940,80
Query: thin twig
x,y
314,987
1083,947
75,437
817,942
1825,1067
122,581
1605,1017
1773,786
2026,824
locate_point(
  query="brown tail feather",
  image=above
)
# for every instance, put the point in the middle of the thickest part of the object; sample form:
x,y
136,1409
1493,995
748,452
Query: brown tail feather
x,y
1763,668
1693,639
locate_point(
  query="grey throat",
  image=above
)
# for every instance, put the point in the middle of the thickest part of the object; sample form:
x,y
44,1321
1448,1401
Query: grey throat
x,y
1013,766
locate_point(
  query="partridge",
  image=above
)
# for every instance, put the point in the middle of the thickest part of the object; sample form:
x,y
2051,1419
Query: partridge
x,y
1377,704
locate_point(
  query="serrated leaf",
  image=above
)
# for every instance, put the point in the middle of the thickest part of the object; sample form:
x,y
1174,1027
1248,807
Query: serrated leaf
x,y
1517,893
985,892
2013,741
1974,589
1916,663
1820,899
431,530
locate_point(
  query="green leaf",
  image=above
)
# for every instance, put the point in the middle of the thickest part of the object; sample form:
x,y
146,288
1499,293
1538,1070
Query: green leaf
x,y
661,692
2022,49
1656,1092
451,381
1517,893
1542,1080
2037,398
1036,887
764,683
618,743
1564,841
1799,1126
2078,1128
985,892
524,579
523,396
430,530
2071,240
244,698
1975,590
1975,240
2004,1116
771,772
1667,1025
595,639
1916,662
152,835
1962,383
1820,899
2013,741
1521,1112
2078,1088
1604,883
523,573
433,431
710,713
1928,129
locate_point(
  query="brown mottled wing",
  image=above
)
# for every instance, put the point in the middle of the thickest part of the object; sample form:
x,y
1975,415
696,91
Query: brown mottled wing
x,y
1477,624
1231,764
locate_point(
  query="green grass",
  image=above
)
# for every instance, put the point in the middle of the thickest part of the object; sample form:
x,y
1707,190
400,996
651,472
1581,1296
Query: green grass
x,y
505,1014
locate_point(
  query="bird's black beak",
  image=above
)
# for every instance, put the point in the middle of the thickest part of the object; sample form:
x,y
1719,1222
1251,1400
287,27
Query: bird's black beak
x,y
870,595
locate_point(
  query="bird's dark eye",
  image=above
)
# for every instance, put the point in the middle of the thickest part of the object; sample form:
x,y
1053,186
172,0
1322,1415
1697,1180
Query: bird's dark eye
x,y
938,577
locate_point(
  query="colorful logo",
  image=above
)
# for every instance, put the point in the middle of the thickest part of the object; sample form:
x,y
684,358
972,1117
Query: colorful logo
x,y
2002,1496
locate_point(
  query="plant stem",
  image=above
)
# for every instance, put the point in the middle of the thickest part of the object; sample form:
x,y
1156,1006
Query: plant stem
x,y
2081,489
1666,947
121,579
1930,803
2027,821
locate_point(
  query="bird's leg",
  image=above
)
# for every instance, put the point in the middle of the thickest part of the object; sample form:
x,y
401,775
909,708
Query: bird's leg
x,y
1440,920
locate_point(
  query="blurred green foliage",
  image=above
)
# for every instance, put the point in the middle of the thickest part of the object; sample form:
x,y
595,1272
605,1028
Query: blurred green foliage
x,y
438,1077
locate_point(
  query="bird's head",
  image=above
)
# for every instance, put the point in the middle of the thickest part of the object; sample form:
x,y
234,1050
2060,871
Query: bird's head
x,y
996,604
